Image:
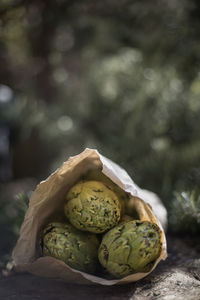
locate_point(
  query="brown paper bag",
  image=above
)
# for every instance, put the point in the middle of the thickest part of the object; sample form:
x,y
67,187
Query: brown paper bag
x,y
47,202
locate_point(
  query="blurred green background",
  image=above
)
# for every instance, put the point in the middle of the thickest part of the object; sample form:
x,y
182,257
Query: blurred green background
x,y
120,76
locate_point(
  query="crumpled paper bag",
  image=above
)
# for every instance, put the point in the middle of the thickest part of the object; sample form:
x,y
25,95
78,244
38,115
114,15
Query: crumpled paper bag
x,y
47,202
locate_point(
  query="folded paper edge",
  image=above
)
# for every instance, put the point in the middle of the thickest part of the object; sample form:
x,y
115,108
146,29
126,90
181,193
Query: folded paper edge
x,y
130,188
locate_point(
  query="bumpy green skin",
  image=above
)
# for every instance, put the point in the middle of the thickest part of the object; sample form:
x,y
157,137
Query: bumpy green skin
x,y
92,206
130,248
99,176
77,249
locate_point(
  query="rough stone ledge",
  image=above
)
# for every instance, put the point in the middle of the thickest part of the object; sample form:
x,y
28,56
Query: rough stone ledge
x,y
177,278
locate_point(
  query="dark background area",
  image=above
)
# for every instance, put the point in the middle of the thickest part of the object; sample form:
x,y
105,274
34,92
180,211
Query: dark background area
x,y
120,76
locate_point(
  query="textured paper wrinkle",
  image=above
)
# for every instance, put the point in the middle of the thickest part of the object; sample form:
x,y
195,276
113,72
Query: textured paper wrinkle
x,y
112,170
49,198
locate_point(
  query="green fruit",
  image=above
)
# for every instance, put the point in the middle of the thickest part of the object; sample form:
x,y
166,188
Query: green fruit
x,y
130,248
97,175
77,249
92,206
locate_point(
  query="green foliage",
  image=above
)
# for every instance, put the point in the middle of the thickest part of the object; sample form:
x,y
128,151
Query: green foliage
x,y
119,76
12,213
184,215
144,118
121,84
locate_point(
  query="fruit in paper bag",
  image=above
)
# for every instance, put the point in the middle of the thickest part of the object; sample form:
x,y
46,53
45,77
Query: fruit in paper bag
x,y
99,176
130,248
92,206
77,249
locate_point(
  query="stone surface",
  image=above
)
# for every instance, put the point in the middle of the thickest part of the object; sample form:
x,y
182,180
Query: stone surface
x,y
175,279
